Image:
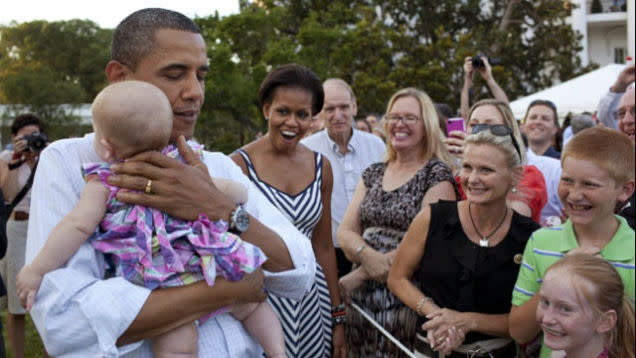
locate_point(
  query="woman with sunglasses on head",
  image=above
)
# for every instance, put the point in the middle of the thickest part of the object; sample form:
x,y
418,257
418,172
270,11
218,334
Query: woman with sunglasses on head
x,y
391,193
529,196
458,262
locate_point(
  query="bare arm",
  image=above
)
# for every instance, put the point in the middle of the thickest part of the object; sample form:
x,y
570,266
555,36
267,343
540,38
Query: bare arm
x,y
468,83
523,320
74,229
407,258
169,308
321,238
495,89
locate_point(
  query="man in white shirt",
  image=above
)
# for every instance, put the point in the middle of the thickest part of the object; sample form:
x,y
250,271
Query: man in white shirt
x,y
349,151
77,311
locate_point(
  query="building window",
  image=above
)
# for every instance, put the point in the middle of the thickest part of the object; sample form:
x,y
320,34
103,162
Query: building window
x,y
619,55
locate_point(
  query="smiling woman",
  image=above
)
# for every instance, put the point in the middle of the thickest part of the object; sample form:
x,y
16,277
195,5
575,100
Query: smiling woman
x,y
290,96
457,264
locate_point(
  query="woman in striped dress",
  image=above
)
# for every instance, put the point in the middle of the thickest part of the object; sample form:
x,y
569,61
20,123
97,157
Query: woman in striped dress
x,y
298,182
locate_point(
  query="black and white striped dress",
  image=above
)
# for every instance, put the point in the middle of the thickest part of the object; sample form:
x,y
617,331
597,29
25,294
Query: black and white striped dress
x,y
306,323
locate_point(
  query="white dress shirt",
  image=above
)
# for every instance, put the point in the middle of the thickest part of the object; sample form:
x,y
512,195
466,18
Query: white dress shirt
x,y
79,314
363,150
551,170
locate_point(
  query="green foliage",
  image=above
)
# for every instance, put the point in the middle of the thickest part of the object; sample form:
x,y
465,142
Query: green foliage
x,y
380,47
597,7
46,64
376,46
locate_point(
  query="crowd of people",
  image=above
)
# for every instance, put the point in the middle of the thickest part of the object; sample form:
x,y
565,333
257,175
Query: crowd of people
x,y
395,235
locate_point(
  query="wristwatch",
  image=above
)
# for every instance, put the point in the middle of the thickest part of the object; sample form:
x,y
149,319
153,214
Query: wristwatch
x,y
239,220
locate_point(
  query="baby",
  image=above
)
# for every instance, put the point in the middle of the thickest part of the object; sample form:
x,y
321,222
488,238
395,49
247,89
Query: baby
x,y
144,245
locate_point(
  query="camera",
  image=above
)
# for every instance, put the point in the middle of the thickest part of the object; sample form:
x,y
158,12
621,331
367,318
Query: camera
x,y
36,141
478,62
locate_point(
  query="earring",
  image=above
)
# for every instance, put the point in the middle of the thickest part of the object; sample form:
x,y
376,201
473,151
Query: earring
x,y
267,119
514,190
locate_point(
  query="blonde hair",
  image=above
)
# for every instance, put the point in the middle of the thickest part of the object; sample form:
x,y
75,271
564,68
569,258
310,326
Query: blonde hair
x,y
133,115
602,287
503,143
508,118
433,144
607,148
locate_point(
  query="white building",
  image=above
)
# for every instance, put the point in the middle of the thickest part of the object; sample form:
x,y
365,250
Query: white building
x,y
608,37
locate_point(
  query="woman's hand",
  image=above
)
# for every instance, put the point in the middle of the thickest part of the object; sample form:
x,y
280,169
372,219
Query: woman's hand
x,y
454,338
444,319
455,143
338,341
351,282
376,264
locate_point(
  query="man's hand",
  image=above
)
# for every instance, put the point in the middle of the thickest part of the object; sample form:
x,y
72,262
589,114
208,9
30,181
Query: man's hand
x,y
625,77
251,288
27,285
181,190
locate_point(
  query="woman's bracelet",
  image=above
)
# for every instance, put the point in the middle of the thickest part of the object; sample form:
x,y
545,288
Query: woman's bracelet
x,y
420,305
338,314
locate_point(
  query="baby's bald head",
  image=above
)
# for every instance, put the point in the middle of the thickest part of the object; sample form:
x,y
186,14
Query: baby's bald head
x,y
134,116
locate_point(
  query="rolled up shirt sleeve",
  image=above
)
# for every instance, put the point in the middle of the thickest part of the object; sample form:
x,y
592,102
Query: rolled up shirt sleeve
x,y
76,312
292,283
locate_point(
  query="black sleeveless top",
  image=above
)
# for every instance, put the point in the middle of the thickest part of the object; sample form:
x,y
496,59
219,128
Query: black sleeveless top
x,y
461,275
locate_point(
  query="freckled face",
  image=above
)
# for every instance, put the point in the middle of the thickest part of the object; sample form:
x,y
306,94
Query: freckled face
x,y
567,321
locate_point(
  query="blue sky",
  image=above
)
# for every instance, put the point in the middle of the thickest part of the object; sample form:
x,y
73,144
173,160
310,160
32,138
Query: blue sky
x,y
106,13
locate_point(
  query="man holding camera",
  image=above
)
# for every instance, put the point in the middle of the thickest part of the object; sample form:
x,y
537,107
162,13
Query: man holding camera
x,y
15,171
479,64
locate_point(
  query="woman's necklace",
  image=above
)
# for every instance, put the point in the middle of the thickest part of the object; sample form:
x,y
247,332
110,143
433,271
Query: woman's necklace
x,y
483,242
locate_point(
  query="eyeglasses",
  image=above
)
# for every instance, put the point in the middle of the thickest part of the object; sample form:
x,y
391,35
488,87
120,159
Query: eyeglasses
x,y
409,118
499,130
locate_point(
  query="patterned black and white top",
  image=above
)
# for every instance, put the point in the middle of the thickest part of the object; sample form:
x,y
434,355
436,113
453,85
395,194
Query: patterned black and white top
x,y
385,217
306,323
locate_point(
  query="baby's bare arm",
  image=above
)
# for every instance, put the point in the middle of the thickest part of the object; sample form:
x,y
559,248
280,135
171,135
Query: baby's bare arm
x,y
64,241
234,190
69,234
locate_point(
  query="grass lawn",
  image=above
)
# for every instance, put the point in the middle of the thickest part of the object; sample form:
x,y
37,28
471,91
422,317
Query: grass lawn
x,y
33,345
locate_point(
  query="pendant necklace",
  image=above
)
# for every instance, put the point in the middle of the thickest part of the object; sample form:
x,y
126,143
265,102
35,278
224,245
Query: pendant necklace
x,y
483,242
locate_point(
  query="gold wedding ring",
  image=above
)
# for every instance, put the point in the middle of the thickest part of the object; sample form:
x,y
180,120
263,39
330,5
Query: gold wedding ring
x,y
148,187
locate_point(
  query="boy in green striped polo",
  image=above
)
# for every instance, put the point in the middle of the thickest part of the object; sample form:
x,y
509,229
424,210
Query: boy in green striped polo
x,y
598,176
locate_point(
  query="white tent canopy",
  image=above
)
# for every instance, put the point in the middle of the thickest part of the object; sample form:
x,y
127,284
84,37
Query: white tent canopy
x,y
577,95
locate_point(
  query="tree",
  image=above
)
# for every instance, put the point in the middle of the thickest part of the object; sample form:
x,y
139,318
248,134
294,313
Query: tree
x,y
45,64
381,46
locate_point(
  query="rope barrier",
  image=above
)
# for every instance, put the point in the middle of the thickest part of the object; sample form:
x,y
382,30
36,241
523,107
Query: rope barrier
x,y
383,331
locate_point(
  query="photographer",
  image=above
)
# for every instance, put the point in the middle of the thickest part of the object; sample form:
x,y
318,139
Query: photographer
x,y
479,64
15,174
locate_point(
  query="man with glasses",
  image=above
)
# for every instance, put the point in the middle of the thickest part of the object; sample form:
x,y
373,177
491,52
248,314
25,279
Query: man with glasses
x,y
349,151
540,126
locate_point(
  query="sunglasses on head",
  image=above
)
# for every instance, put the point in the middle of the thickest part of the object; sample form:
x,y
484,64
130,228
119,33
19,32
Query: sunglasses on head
x,y
499,130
